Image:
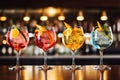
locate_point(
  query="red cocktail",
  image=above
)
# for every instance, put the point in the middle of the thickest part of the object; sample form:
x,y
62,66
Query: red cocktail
x,y
44,39
17,38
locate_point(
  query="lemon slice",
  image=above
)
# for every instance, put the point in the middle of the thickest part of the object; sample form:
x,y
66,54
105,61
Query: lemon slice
x,y
15,32
78,32
67,32
67,25
99,26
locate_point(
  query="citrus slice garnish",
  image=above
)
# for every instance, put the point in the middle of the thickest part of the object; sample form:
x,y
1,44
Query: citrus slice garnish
x,y
99,26
39,32
68,31
15,32
41,27
78,31
67,25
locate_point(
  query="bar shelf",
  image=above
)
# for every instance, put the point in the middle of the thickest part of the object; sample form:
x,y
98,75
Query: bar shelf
x,y
61,60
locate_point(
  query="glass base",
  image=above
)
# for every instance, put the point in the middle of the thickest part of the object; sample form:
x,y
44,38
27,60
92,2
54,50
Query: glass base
x,y
44,67
73,67
102,67
16,68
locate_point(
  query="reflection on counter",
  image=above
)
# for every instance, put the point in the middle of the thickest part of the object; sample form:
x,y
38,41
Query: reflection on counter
x,y
60,73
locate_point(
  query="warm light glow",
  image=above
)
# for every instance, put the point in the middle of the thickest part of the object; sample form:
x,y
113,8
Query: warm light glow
x,y
26,18
10,50
87,38
43,18
80,74
55,73
104,16
3,18
3,50
4,41
51,11
80,16
90,73
27,74
106,75
31,35
61,18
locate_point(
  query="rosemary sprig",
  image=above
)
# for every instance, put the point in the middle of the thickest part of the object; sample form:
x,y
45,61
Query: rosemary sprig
x,y
106,30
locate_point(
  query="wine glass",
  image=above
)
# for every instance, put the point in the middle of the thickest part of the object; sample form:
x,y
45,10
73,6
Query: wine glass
x,y
101,38
17,37
45,38
73,38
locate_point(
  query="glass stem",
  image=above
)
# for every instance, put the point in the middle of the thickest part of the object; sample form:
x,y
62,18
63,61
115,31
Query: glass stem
x,y
45,66
73,65
73,58
101,57
45,58
101,64
17,57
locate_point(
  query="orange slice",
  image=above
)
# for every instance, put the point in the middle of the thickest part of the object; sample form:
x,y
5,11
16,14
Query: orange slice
x,y
15,32
37,30
41,27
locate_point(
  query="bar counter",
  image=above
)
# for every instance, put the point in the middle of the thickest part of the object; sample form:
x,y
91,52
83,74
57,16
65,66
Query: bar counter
x,y
61,60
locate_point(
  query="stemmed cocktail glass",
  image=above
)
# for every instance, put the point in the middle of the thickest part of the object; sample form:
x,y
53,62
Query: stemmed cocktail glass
x,y
101,38
17,37
73,38
45,39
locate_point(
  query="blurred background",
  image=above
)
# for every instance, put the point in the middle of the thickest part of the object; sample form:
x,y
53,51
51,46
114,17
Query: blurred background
x,y
49,13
